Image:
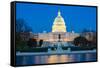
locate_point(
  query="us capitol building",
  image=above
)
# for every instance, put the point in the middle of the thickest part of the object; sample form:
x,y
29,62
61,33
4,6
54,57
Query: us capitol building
x,y
59,30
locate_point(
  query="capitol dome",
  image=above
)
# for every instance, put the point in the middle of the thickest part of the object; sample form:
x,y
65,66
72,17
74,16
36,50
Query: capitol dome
x,y
59,24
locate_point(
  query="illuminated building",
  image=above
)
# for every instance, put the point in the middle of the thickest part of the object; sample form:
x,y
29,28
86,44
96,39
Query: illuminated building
x,y
58,29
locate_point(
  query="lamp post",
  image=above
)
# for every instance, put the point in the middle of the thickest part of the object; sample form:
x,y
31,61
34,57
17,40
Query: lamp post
x,y
59,37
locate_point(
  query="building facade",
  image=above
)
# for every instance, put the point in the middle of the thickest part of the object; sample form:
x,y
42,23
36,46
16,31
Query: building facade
x,y
59,31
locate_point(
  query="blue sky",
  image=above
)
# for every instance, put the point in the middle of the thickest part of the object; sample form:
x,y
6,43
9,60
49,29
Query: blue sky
x,y
41,17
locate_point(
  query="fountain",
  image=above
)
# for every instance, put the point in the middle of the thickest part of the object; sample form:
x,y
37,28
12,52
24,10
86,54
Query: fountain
x,y
59,46
49,50
69,49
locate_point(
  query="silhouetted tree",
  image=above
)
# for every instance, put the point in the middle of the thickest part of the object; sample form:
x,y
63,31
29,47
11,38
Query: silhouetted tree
x,y
18,38
21,26
88,30
32,42
93,43
91,37
80,41
27,28
40,43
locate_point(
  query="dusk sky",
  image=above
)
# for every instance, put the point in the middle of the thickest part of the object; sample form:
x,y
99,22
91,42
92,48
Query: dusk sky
x,y
40,17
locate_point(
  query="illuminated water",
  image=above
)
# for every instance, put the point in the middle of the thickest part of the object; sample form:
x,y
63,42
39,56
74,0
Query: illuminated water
x,y
45,59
